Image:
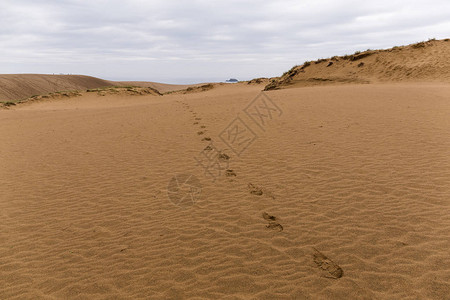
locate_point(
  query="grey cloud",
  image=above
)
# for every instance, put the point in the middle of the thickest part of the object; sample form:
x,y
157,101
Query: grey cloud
x,y
151,40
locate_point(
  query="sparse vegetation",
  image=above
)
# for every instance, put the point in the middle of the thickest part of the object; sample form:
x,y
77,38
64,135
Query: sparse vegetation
x,y
291,70
298,75
320,61
419,45
360,55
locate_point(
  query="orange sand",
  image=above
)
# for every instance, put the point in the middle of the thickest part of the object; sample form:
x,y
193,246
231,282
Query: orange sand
x,y
355,177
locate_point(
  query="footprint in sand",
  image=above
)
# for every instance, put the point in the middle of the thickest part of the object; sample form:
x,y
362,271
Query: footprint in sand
x,y
206,139
230,173
198,119
268,217
203,126
326,264
272,222
254,190
275,226
200,132
224,157
195,123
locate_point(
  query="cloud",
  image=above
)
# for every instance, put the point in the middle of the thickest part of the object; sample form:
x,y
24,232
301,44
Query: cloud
x,y
186,41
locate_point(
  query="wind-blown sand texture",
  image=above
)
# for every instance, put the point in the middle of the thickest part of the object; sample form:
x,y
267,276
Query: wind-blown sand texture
x,y
357,177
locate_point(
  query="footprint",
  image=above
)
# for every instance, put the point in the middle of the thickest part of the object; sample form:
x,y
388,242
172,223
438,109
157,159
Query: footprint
x,y
223,157
255,190
275,226
230,173
203,126
200,132
326,264
272,222
208,148
198,119
268,217
206,139
195,123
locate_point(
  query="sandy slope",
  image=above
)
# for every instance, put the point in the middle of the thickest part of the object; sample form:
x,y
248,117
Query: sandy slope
x,y
424,61
162,87
359,172
20,86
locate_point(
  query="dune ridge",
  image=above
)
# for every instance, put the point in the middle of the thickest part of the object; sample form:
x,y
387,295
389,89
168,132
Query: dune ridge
x,y
423,61
22,86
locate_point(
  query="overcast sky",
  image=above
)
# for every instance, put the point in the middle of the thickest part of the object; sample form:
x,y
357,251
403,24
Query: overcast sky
x,y
200,40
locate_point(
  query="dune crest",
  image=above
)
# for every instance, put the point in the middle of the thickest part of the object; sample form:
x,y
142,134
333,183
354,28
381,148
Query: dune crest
x,y
424,61
22,86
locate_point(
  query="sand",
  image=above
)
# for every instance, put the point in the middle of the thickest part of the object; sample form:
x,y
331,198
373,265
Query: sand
x,y
15,87
343,194
424,61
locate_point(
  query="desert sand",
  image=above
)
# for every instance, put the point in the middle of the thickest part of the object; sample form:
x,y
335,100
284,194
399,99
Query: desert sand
x,y
22,86
424,61
343,193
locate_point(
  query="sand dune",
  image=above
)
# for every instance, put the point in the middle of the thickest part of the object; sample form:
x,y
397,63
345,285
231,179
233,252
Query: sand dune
x,y
21,86
343,194
161,87
424,61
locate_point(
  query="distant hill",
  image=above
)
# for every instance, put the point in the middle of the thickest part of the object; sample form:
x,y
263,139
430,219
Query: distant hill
x,y
20,86
424,61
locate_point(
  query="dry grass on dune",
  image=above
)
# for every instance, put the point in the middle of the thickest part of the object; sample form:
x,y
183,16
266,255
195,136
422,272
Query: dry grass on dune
x,y
424,61
161,87
124,91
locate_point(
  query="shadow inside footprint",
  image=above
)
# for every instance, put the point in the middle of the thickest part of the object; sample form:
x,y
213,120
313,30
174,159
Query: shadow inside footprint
x,y
326,264
268,217
275,226
230,173
206,139
200,132
223,157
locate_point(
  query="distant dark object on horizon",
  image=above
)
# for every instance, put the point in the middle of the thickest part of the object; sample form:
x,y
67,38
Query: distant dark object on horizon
x,y
232,80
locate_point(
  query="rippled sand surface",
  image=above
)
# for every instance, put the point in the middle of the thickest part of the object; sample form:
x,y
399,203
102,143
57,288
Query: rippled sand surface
x,y
343,193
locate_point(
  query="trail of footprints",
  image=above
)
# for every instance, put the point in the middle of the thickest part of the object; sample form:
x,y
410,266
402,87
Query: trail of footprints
x,y
329,267
202,131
